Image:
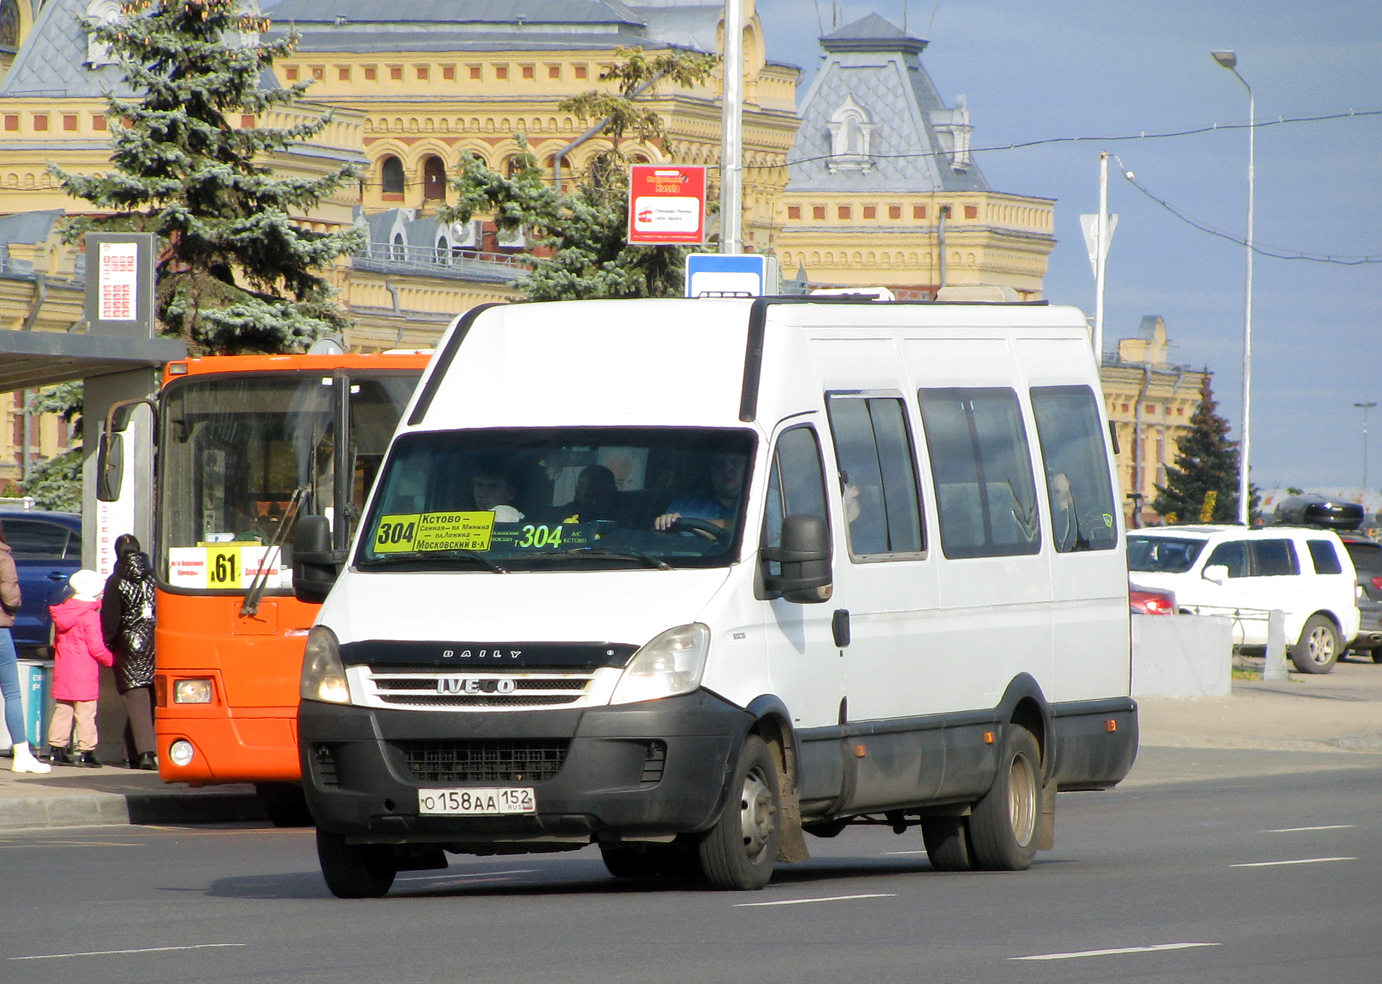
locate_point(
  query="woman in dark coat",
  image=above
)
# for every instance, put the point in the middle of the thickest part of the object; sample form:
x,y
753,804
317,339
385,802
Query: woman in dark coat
x,y
127,622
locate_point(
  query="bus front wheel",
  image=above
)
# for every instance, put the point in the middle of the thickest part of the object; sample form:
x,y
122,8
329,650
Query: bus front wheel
x,y
740,851
354,871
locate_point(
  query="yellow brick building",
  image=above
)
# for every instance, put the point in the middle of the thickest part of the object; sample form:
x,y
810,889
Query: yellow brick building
x,y
1150,401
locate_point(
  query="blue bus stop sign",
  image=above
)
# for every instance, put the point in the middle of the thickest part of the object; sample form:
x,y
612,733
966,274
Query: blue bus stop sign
x,y
731,275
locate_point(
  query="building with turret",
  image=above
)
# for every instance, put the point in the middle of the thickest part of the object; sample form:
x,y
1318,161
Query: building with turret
x,y
884,188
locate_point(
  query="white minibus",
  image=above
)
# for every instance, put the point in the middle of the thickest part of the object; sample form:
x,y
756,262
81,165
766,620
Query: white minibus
x,y
689,579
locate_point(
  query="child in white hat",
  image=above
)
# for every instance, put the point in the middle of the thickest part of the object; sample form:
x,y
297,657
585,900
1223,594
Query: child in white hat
x,y
79,652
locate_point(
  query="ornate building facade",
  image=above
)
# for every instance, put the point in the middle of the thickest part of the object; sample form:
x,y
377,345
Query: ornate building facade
x,y
870,182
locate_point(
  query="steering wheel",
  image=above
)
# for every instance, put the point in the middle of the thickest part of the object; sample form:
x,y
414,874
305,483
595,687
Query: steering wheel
x,y
704,529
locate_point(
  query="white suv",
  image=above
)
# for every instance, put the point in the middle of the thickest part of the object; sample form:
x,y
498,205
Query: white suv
x,y
1247,573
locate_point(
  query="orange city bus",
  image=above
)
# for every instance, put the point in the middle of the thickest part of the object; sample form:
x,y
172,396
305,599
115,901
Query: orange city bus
x,y
246,446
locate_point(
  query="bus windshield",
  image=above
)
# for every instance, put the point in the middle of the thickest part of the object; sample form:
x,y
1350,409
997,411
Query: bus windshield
x,y
236,449
584,498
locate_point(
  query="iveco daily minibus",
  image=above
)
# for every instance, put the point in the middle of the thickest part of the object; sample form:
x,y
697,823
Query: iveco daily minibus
x,y
686,579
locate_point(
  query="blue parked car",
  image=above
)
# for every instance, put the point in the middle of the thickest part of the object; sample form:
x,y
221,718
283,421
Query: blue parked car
x,y
47,549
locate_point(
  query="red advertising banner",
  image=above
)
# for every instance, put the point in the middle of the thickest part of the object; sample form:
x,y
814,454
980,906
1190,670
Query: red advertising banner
x,y
666,204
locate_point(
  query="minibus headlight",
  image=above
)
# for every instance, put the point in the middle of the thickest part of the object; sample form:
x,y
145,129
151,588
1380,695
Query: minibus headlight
x,y
669,665
323,673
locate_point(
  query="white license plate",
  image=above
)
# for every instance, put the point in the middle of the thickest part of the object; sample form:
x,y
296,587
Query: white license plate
x,y
494,801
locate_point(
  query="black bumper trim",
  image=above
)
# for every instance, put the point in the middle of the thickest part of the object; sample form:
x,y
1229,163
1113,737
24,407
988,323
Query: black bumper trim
x,y
358,784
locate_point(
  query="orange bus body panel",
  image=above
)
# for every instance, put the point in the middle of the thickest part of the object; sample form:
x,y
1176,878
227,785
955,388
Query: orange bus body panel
x,y
248,732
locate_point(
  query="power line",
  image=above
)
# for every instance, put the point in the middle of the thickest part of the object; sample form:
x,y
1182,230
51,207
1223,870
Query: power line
x,y
1024,144
1276,252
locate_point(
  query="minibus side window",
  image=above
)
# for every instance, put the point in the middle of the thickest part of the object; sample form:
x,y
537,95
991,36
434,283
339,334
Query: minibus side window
x,y
1078,486
985,494
796,485
878,481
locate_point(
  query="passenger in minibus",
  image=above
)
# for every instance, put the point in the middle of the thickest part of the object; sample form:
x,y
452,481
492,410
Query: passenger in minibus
x,y
1065,522
596,498
495,491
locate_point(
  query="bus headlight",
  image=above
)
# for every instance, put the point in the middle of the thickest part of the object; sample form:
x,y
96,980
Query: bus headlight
x,y
323,673
670,664
192,692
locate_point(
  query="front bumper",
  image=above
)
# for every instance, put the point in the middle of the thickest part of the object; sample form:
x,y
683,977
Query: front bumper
x,y
629,772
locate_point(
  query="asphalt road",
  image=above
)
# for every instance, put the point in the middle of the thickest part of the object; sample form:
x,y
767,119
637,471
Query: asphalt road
x,y
1264,879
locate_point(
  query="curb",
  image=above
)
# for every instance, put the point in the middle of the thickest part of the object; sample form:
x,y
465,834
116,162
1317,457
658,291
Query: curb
x,y
90,808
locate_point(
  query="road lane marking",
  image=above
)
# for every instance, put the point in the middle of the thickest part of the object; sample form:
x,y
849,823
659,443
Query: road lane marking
x,y
1301,830
1155,948
1269,864
145,949
482,874
833,898
894,853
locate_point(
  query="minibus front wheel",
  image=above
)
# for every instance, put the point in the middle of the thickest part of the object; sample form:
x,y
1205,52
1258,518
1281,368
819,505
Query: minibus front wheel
x,y
739,852
355,871
1005,826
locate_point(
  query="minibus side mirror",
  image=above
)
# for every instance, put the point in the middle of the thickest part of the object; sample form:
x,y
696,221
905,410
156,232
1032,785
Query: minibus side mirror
x,y
805,559
315,565
1218,573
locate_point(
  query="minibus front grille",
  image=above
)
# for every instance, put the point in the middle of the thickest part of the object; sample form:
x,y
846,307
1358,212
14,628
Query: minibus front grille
x,y
431,690
484,760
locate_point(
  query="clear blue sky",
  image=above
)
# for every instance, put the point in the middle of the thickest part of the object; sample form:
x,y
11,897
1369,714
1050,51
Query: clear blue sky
x,y
1035,69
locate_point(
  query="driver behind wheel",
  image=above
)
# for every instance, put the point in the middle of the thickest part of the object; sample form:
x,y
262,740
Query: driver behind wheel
x,y
726,474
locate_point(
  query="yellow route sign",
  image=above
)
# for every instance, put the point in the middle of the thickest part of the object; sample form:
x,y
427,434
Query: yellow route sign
x,y
434,531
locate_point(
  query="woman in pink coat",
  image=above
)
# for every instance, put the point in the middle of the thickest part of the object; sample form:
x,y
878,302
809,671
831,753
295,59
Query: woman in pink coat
x,y
79,653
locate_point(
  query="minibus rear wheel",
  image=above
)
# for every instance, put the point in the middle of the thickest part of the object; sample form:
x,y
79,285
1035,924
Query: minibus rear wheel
x,y
355,871
1006,823
739,852
947,843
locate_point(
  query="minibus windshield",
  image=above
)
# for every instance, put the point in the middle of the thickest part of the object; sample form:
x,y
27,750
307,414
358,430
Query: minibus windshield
x,y
578,498
1162,554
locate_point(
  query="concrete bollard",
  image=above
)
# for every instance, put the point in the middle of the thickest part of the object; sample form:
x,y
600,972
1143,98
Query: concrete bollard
x,y
1274,666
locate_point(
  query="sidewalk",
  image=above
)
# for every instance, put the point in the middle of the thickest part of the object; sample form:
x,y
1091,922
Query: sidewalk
x,y
72,797
1305,724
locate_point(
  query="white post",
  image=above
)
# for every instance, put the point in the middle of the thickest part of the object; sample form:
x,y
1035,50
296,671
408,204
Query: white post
x,y
1274,666
1100,256
1229,60
732,132
1244,513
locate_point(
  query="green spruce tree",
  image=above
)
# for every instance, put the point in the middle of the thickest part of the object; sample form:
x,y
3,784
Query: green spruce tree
x,y
583,234
234,272
1206,461
56,483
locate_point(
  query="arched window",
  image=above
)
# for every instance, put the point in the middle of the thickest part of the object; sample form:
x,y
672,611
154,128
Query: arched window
x,y
106,11
443,250
850,134
400,249
391,175
9,23
434,179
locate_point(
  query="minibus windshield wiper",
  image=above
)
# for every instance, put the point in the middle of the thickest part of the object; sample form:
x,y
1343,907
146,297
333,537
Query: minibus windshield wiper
x,y
458,553
622,553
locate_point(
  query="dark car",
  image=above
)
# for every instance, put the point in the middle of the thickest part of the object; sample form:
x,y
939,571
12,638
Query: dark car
x,y
1367,559
47,549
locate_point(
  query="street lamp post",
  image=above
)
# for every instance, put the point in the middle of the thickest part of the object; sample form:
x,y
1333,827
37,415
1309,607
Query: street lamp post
x,y
1365,407
1229,60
